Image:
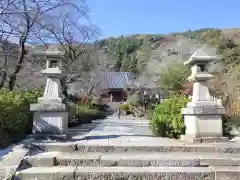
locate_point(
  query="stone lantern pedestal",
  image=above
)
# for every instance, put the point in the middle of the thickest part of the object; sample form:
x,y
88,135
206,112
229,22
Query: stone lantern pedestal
x,y
203,115
50,116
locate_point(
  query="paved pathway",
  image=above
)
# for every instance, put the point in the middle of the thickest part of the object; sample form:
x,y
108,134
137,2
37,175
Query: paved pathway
x,y
113,131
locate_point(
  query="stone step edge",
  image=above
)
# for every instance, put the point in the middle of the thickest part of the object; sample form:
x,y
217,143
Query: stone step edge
x,y
72,147
160,148
123,159
193,173
110,172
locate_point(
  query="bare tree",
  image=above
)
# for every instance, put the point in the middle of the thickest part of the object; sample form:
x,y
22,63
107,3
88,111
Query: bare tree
x,y
8,53
71,36
22,21
4,5
88,74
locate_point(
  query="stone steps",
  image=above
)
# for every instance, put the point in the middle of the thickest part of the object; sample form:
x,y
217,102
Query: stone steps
x,y
159,148
120,150
117,173
180,162
130,173
153,147
132,159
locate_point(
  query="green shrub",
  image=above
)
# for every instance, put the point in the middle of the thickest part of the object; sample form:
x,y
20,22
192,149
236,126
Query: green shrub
x,y
124,107
15,117
87,112
167,120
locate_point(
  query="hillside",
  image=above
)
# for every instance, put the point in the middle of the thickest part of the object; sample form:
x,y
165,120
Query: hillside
x,y
146,55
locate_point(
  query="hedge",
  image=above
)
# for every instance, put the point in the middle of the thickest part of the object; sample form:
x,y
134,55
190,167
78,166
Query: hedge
x,y
15,116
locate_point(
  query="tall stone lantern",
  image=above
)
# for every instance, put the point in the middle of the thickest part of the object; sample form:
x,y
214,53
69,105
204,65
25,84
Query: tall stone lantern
x,y
50,116
203,115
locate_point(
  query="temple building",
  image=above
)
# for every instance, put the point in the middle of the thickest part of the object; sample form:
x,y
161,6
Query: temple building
x,y
114,85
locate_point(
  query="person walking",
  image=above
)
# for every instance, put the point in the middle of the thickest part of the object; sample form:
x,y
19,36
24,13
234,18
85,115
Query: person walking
x,y
119,111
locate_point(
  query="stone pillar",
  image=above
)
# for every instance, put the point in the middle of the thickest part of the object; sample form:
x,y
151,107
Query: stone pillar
x,y
203,115
50,114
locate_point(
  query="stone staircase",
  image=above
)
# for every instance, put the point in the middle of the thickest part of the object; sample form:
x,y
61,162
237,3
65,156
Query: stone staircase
x,y
124,149
77,161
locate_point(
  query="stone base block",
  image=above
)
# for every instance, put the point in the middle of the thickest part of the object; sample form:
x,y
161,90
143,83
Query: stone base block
x,y
203,125
194,139
50,122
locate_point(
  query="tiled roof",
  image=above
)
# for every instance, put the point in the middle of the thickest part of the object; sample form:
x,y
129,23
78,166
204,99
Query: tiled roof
x,y
116,80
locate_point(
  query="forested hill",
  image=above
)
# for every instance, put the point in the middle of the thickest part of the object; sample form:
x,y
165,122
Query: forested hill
x,y
147,54
132,53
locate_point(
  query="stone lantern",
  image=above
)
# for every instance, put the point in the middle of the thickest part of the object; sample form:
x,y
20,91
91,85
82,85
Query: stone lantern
x,y
203,115
50,114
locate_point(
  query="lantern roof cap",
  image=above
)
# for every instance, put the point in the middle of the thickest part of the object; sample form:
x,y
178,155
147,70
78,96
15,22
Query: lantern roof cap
x,y
200,56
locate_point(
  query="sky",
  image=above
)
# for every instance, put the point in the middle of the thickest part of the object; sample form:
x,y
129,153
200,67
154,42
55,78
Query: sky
x,y
126,17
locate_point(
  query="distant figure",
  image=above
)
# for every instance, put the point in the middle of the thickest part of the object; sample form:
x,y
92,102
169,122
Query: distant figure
x,y
119,111
111,98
